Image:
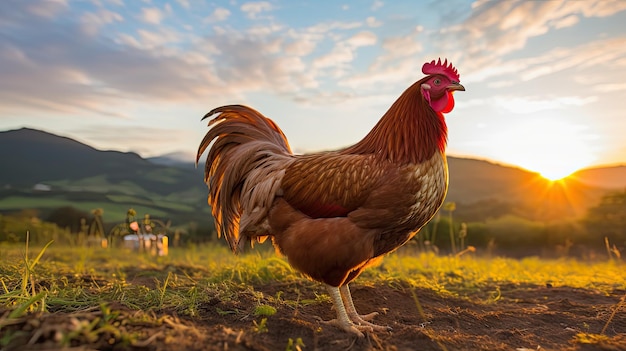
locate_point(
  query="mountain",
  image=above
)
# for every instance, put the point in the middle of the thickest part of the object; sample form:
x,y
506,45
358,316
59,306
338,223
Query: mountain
x,y
605,177
72,173
483,189
174,159
33,156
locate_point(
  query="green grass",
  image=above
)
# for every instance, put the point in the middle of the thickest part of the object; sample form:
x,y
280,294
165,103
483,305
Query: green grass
x,y
212,265
129,199
115,198
166,175
468,274
81,280
13,202
98,184
111,209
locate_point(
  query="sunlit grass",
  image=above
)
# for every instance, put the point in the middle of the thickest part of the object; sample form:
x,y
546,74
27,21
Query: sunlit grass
x,y
168,281
466,274
91,280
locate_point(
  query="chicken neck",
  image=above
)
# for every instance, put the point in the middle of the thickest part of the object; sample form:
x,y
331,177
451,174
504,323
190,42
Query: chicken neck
x,y
409,132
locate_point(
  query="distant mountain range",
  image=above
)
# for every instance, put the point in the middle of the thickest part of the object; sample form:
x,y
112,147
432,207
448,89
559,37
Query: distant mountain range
x,y
605,177
176,159
32,156
71,173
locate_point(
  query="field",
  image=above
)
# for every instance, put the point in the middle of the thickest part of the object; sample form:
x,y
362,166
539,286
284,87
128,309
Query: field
x,y
205,298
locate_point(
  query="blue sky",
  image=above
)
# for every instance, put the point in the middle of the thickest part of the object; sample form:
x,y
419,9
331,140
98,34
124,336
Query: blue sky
x,y
545,80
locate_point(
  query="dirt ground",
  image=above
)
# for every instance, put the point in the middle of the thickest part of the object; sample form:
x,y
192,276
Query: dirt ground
x,y
522,318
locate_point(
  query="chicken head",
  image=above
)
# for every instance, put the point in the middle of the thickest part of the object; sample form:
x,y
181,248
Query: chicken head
x,y
443,80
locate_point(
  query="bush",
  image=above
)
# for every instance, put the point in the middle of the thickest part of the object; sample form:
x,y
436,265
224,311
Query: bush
x,y
68,217
515,233
608,219
13,229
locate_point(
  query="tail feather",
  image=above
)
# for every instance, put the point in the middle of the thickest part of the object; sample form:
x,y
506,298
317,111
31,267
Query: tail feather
x,y
244,168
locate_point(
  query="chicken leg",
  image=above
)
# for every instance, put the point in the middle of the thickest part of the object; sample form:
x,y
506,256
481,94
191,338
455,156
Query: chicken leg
x,y
347,317
358,319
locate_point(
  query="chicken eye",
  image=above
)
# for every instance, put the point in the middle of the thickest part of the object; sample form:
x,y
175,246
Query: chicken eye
x,y
437,81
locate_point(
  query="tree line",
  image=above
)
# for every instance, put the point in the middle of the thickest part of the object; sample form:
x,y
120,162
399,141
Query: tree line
x,y
601,229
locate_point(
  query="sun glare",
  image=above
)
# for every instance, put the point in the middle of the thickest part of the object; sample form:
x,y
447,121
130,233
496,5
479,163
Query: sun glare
x,y
556,164
555,149
557,174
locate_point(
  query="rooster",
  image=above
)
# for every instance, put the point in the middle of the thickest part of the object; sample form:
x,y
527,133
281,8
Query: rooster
x,y
332,214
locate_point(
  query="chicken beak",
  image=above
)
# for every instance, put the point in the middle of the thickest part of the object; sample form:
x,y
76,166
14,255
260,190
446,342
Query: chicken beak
x,y
455,86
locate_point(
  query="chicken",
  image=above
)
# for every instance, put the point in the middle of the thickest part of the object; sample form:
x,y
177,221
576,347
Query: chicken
x,y
332,214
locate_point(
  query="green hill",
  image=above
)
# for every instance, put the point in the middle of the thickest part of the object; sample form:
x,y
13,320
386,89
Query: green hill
x,y
45,171
483,190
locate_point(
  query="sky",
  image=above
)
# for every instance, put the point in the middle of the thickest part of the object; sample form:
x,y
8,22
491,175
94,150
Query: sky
x,y
545,80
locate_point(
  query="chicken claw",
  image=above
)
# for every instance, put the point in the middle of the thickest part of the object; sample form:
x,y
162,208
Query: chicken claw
x,y
360,320
363,321
343,321
347,317
350,327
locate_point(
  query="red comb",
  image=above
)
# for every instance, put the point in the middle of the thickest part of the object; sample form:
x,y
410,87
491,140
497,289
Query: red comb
x,y
439,68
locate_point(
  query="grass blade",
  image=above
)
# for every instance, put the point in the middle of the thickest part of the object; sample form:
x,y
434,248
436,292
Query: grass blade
x,y
21,309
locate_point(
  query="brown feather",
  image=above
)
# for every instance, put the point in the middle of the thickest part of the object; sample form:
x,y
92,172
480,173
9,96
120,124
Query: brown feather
x,y
410,131
244,143
330,182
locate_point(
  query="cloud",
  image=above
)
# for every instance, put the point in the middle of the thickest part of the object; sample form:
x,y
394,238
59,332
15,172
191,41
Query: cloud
x,y
48,9
151,15
529,105
497,28
184,3
218,15
399,56
344,52
253,9
304,41
604,54
251,61
479,3
303,45
57,67
377,5
598,8
129,136
116,2
265,30
609,87
157,39
74,65
385,77
565,22
91,22
15,12
401,46
326,27
364,38
372,22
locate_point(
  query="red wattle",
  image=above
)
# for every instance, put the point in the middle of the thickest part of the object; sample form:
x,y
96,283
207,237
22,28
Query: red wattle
x,y
441,104
450,105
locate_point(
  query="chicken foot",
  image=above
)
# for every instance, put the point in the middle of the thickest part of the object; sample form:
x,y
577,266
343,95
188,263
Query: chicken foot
x,y
357,318
347,317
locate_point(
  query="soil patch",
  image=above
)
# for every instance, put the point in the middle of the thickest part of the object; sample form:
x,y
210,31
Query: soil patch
x,y
510,317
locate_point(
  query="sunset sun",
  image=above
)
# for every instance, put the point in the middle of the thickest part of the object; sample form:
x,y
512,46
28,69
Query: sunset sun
x,y
558,171
555,150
